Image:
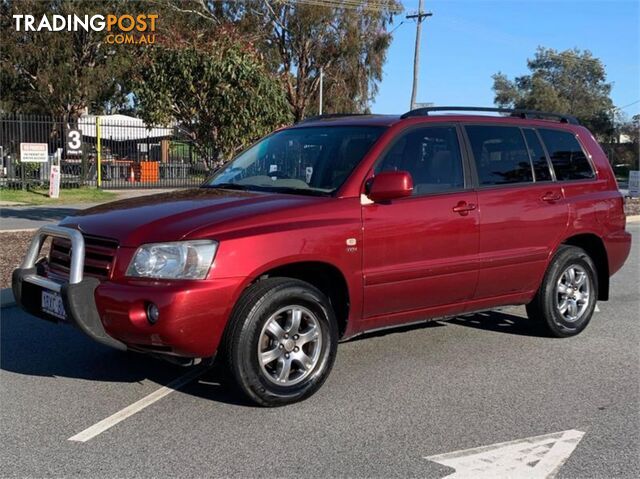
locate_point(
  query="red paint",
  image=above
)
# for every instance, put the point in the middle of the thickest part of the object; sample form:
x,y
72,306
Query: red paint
x,y
415,257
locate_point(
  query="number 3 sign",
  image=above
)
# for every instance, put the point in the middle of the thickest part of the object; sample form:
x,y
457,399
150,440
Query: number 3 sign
x,y
74,142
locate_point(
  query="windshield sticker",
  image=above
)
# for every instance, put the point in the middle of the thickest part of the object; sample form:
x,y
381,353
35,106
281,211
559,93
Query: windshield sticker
x,y
273,168
308,173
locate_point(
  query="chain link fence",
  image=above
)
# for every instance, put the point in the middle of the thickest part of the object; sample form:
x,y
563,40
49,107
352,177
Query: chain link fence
x,y
110,152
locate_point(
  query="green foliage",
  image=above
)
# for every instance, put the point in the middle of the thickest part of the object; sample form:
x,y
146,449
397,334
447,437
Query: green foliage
x,y
571,81
58,73
298,39
219,92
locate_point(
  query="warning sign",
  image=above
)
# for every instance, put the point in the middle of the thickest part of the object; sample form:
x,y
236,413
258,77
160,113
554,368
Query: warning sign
x,y
34,152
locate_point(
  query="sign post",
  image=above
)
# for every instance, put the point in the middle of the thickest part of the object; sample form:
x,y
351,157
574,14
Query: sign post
x,y
54,176
98,152
634,183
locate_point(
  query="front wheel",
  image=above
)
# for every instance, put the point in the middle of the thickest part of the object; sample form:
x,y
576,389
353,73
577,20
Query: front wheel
x,y
282,341
566,300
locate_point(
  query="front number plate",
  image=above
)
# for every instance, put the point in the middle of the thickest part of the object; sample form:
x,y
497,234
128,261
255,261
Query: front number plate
x,y
52,304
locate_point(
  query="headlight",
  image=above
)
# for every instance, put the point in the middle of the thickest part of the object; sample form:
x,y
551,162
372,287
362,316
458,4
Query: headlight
x,y
179,260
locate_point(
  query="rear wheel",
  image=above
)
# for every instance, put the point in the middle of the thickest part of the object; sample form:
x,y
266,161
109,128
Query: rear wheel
x,y
282,341
566,300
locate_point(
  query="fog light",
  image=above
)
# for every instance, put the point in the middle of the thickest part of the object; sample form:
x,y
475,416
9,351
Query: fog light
x,y
153,313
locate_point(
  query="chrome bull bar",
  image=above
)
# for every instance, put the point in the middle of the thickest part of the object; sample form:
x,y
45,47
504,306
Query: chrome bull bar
x,y
77,256
78,293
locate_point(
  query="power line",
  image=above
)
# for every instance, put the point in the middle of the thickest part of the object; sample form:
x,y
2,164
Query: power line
x,y
627,106
348,4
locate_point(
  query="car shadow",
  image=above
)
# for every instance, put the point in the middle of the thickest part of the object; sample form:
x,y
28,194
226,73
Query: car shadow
x,y
494,321
34,347
501,322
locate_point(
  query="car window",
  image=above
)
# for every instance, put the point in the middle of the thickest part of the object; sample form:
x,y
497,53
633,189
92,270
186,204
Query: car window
x,y
431,155
500,154
308,160
538,158
568,160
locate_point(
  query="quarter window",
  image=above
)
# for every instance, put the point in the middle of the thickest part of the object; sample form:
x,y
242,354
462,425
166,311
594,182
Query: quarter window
x,y
568,160
432,157
500,155
538,158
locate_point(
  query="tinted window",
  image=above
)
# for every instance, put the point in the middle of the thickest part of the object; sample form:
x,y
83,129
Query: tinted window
x,y
308,160
431,156
500,154
538,158
568,160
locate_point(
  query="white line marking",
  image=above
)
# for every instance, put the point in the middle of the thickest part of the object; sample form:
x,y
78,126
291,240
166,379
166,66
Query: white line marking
x,y
597,309
538,457
137,406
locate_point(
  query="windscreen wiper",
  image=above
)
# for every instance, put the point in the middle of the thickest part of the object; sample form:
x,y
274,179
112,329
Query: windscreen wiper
x,y
229,186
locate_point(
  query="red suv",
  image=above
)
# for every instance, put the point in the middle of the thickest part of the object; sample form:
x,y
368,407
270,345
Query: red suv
x,y
336,226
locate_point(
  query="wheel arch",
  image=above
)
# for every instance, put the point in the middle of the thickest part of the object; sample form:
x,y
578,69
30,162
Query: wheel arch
x,y
325,276
594,246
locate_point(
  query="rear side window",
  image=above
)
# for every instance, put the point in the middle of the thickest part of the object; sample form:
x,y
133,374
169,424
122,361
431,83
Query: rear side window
x,y
500,155
538,158
568,160
431,155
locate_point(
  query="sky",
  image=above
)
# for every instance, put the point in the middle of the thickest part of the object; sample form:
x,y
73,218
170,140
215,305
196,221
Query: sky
x,y
466,41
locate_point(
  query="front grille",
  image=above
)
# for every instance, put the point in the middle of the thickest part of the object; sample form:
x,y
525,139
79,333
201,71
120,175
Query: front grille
x,y
98,259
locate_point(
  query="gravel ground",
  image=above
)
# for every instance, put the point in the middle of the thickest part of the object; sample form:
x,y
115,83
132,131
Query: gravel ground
x,y
13,246
632,206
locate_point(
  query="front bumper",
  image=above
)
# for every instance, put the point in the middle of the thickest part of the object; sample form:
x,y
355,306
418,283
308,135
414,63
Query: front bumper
x,y
193,314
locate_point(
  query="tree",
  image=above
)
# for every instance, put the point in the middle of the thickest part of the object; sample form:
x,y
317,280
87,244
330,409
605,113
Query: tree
x,y
58,73
571,81
347,40
216,89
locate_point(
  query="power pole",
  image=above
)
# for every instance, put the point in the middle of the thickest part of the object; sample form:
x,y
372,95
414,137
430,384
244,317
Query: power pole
x,y
420,16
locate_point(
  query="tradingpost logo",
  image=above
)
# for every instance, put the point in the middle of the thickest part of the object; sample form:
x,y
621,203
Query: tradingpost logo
x,y
121,29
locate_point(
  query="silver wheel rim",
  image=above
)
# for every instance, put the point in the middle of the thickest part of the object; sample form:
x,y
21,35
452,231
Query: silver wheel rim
x,y
573,292
289,345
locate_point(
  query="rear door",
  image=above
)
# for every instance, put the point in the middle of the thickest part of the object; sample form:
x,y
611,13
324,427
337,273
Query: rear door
x,y
419,253
522,209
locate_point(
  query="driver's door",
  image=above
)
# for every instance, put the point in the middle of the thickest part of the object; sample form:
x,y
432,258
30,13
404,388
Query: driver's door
x,y
420,252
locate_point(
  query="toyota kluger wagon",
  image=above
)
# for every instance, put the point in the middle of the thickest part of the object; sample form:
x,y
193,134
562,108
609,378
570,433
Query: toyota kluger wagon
x,y
336,226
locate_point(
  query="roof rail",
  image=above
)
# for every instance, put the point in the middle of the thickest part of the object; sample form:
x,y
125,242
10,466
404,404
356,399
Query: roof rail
x,y
328,116
515,112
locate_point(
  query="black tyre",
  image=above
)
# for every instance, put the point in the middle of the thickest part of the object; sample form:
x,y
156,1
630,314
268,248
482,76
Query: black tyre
x,y
282,340
567,297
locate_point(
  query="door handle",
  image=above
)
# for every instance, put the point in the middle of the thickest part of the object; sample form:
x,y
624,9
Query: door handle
x,y
550,197
463,208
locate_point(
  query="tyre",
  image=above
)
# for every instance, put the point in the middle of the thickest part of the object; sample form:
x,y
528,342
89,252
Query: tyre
x,y
567,297
281,341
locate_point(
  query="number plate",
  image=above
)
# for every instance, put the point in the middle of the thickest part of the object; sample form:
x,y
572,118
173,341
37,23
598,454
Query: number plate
x,y
52,304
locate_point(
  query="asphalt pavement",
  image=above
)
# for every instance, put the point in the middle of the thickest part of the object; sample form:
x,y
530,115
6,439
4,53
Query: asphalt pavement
x,y
32,217
392,400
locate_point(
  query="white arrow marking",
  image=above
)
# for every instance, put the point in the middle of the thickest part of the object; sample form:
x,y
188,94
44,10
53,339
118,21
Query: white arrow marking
x,y
538,457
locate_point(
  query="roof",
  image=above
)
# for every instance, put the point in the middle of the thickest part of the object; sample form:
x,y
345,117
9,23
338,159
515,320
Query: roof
x,y
120,128
389,120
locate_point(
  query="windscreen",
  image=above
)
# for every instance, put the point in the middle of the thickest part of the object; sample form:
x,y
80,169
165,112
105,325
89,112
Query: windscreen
x,y
311,160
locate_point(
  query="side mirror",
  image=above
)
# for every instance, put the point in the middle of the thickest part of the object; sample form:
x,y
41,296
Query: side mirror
x,y
390,185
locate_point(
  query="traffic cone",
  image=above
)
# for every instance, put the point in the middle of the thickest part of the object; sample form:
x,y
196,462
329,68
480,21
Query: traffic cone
x,y
132,175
